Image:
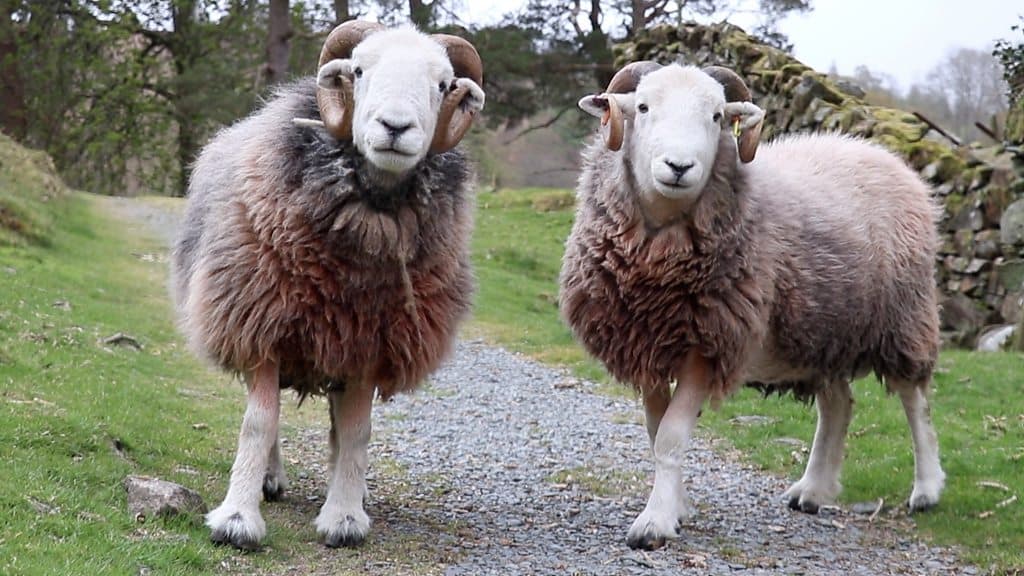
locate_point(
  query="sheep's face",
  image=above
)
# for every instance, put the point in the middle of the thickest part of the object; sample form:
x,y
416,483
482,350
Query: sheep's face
x,y
672,124
399,80
676,119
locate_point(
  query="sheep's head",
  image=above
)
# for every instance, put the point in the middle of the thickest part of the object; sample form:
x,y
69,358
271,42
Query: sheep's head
x,y
398,94
670,120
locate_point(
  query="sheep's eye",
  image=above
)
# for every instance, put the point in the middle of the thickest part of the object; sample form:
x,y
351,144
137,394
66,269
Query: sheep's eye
x,y
717,117
358,72
442,87
642,108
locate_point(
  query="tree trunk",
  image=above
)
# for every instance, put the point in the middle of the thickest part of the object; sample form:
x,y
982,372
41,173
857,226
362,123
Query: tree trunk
x,y
341,11
278,42
421,15
637,20
13,120
185,54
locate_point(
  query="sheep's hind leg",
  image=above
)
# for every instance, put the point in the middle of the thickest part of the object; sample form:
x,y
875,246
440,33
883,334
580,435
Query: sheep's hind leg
x,y
928,475
237,520
342,521
820,482
275,482
668,504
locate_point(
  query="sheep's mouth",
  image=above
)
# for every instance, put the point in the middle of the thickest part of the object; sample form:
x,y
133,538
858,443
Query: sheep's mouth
x,y
392,150
675,184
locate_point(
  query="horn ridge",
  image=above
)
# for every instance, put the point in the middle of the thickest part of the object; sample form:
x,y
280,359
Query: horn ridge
x,y
336,103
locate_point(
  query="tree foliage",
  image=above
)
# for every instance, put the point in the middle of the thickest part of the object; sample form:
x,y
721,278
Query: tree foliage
x,y
965,88
1010,54
545,56
123,93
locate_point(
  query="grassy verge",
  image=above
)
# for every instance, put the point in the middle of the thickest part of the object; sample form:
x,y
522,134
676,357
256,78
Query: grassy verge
x,y
77,414
978,405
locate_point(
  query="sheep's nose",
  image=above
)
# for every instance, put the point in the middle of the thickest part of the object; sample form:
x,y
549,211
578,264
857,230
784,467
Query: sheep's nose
x,y
679,169
394,128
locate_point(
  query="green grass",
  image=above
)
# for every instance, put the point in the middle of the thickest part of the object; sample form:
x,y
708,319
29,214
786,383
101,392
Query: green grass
x,y
77,416
978,402
517,252
68,399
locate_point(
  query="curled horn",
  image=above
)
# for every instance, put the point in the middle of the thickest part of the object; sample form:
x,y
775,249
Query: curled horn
x,y
466,63
736,91
624,82
336,103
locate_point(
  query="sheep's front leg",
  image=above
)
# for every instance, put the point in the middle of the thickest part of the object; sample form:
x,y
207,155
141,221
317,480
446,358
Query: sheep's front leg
x,y
342,521
237,520
928,475
820,482
667,505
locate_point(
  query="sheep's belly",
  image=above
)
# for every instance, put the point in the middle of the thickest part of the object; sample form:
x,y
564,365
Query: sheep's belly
x,y
765,366
768,372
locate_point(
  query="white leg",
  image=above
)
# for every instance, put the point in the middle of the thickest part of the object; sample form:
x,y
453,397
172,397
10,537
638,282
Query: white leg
x,y
275,482
928,475
820,482
668,505
342,521
237,520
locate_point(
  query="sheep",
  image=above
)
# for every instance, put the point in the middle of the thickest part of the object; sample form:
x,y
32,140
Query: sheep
x,y
330,255
690,262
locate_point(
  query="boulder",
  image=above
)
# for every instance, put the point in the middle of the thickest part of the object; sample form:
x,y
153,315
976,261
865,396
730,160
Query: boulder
x,y
995,338
1011,225
962,316
149,497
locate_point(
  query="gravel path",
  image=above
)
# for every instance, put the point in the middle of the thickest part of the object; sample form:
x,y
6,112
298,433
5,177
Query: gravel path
x,y
504,434
511,467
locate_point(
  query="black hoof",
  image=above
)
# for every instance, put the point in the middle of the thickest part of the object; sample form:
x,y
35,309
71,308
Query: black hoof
x,y
272,489
345,536
233,533
916,507
645,542
806,507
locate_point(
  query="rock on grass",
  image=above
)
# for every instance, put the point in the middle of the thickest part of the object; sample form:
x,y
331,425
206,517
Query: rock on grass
x,y
149,497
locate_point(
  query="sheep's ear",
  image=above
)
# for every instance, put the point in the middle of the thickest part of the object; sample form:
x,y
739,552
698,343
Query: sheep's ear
x,y
747,118
611,109
596,104
474,99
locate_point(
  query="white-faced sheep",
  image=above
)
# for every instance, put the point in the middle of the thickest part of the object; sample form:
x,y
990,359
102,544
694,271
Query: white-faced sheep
x,y
691,262
332,258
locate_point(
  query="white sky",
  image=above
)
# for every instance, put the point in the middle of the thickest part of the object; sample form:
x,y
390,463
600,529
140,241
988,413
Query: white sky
x,y
902,38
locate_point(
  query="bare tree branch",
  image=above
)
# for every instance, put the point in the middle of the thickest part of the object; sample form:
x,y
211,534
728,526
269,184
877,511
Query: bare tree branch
x,y
558,115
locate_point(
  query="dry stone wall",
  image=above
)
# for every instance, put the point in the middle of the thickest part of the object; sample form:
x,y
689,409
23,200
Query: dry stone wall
x,y
981,189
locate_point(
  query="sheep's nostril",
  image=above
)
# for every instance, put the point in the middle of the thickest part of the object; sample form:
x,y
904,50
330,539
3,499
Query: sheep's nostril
x,y
395,129
679,169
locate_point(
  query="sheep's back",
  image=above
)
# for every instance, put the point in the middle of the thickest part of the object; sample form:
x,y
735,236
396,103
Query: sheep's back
x,y
856,289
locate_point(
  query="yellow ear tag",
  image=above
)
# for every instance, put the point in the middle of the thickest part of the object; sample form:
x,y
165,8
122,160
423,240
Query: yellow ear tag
x,y
736,127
